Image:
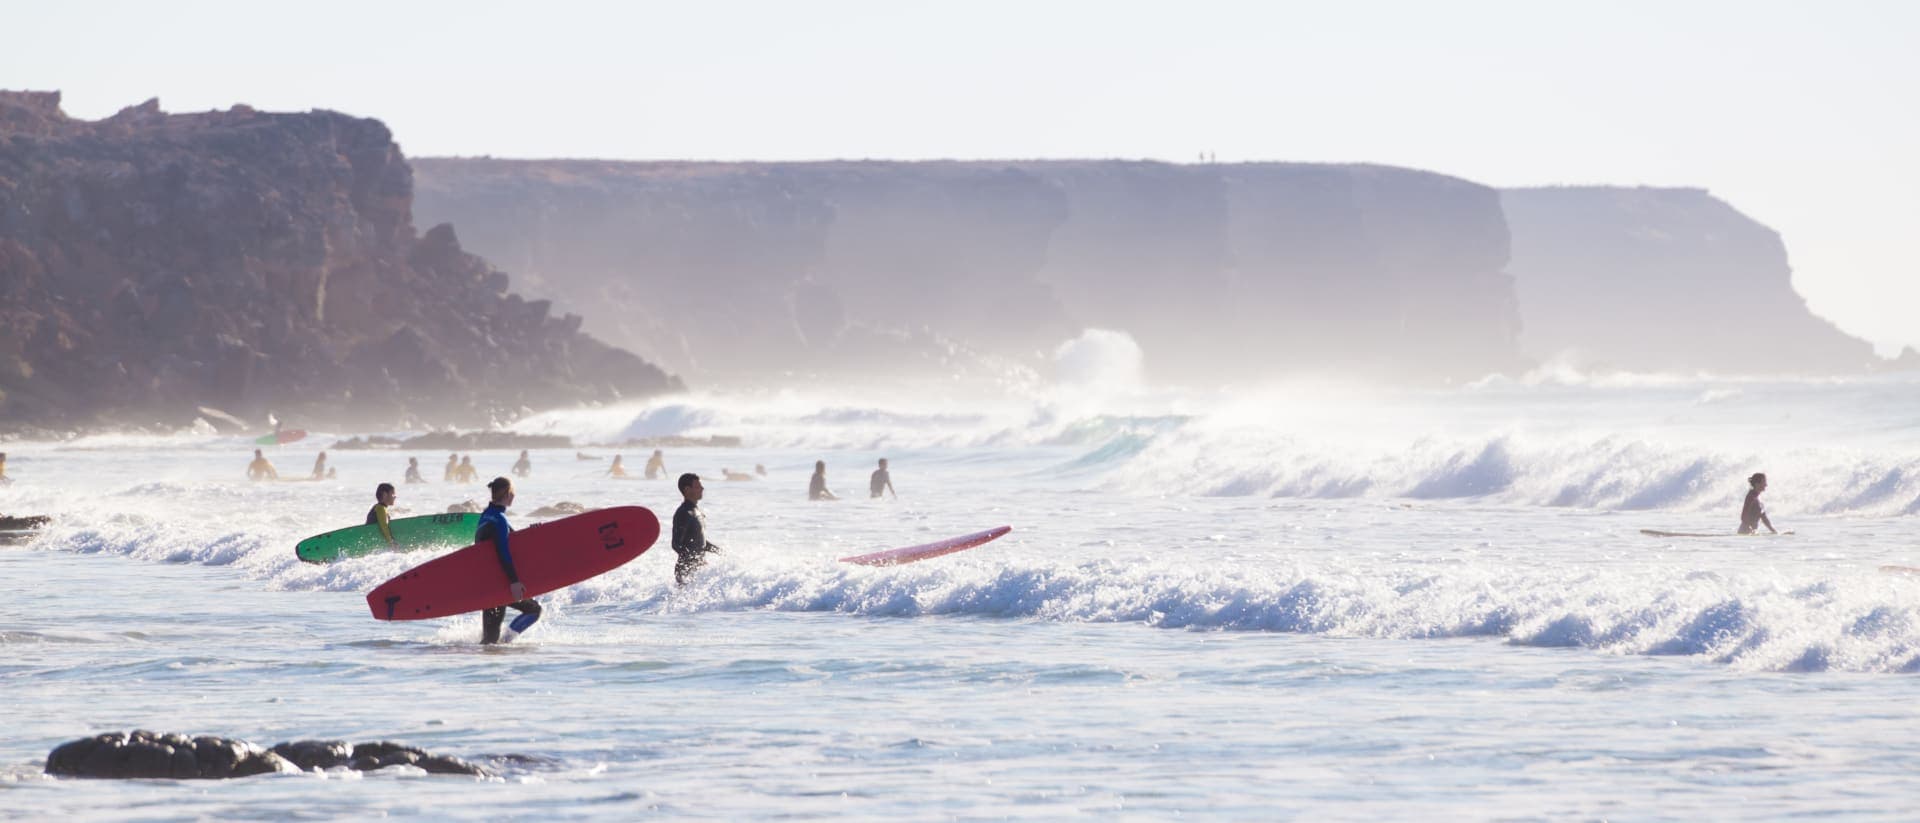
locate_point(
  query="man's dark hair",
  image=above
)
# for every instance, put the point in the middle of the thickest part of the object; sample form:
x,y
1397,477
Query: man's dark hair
x,y
688,479
1757,479
499,485
383,488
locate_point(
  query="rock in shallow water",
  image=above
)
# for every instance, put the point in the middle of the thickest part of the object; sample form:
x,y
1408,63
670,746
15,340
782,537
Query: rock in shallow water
x,y
144,754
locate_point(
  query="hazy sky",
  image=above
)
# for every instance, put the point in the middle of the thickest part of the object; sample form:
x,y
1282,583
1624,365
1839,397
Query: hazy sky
x,y
1801,114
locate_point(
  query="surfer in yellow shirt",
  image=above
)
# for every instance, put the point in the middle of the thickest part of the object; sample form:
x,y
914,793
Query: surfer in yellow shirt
x,y
453,468
260,469
383,497
465,472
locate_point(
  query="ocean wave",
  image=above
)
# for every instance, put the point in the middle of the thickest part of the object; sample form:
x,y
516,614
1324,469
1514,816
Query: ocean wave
x,y
1570,471
1748,621
1826,618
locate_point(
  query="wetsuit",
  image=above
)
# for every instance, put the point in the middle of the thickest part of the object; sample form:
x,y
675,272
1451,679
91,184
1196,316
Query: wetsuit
x,y
689,541
523,468
1751,513
881,480
817,488
493,526
377,516
413,473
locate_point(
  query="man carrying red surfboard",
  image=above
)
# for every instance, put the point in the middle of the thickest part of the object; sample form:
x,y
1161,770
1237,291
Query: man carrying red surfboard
x,y
494,527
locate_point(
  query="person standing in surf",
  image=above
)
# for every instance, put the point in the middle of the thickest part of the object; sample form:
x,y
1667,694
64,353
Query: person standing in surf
x,y
453,468
690,531
320,467
882,481
413,471
494,527
383,497
617,470
260,469
1754,513
656,466
817,485
524,466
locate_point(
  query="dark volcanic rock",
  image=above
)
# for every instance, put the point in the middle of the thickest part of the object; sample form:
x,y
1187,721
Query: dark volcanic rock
x,y
153,263
143,754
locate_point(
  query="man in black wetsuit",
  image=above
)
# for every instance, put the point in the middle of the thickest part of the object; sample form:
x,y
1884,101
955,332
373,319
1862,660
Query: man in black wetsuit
x,y
494,527
690,531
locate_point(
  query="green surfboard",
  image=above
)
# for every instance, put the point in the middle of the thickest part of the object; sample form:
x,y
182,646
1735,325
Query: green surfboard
x,y
425,531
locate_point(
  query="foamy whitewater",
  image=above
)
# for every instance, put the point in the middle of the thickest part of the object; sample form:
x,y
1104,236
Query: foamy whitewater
x,y
1308,600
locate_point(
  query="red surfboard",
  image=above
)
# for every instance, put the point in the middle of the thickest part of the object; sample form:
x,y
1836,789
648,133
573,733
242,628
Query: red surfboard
x,y
914,554
549,556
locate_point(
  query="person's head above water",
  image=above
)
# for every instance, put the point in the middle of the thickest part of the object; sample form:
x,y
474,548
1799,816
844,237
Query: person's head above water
x,y
383,493
1758,480
257,455
819,466
690,487
883,462
502,489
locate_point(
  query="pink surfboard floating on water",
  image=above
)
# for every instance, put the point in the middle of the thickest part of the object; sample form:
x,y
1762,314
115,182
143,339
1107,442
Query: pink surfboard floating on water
x,y
914,554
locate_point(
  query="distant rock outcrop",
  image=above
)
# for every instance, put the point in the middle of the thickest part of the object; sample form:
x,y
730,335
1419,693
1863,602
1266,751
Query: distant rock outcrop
x,y
1218,271
154,263
1658,279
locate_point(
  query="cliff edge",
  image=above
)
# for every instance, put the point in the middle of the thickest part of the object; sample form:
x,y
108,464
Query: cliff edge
x,y
151,263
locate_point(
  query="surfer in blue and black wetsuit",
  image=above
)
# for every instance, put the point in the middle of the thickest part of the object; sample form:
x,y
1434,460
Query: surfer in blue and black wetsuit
x,y
494,527
690,530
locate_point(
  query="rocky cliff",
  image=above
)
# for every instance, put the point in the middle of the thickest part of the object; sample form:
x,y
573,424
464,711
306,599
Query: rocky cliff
x,y
151,263
1654,279
1218,271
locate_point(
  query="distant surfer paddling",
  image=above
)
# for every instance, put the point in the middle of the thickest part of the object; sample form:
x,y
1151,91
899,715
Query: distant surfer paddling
x,y
383,497
524,466
817,485
656,466
882,481
1753,514
690,531
260,469
494,527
